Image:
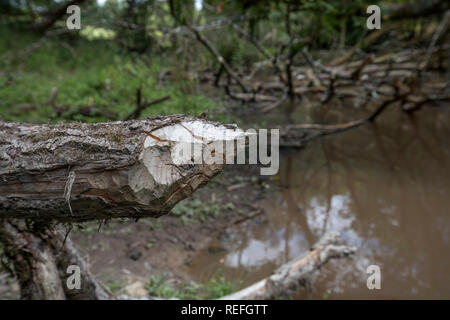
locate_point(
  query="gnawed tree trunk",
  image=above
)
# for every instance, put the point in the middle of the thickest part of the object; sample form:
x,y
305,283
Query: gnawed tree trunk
x,y
76,172
287,279
79,171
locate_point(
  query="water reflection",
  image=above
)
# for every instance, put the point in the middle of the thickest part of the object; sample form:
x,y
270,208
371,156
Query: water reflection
x,y
385,187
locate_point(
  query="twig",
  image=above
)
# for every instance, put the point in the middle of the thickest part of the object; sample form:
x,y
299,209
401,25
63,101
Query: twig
x,y
68,189
251,215
272,106
219,58
439,30
140,107
330,90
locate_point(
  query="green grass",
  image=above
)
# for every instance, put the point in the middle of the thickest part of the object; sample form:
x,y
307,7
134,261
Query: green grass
x,y
216,287
85,73
115,286
196,210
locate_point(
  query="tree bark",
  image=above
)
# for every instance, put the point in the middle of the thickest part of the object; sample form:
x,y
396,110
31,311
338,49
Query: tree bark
x,y
40,255
77,171
34,263
66,255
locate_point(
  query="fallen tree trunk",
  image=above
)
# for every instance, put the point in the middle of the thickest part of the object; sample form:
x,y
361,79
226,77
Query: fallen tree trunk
x,y
297,135
287,279
78,171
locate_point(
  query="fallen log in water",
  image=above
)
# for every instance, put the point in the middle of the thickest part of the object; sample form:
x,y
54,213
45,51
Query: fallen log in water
x,y
290,277
78,171
297,135
287,279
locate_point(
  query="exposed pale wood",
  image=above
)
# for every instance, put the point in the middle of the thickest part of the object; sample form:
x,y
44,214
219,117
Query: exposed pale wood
x,y
119,169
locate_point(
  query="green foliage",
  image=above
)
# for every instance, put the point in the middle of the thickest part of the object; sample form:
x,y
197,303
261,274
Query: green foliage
x,y
85,73
238,52
158,286
195,210
326,19
218,286
106,71
326,294
115,286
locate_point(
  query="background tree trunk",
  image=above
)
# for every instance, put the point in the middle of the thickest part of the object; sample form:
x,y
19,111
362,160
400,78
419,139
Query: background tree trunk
x,y
40,256
34,263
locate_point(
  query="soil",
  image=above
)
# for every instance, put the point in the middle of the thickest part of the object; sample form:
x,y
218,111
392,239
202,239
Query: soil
x,y
121,253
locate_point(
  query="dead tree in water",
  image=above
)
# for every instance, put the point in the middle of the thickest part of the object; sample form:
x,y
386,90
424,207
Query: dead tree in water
x,y
285,282
287,279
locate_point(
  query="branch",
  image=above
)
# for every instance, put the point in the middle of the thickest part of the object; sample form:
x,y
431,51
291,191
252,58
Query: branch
x,y
54,16
364,43
298,134
415,9
439,30
205,42
142,105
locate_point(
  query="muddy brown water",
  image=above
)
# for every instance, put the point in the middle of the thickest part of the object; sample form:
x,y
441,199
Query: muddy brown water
x,y
384,187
